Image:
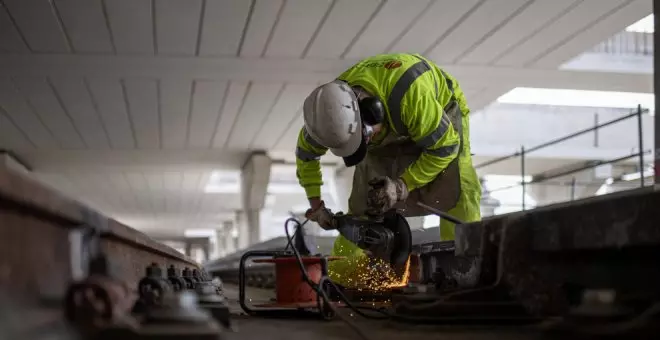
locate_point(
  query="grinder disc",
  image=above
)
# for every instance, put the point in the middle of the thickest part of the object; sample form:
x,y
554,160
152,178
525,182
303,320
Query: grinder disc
x,y
402,243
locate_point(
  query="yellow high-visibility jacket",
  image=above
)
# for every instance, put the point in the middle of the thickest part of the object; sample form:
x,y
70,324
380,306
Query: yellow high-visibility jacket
x,y
414,91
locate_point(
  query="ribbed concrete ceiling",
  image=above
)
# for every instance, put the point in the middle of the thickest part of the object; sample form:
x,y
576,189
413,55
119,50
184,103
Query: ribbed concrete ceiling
x,y
144,98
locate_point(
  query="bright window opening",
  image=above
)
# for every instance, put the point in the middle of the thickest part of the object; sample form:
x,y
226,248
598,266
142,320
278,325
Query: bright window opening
x,y
224,182
582,98
644,25
507,189
199,233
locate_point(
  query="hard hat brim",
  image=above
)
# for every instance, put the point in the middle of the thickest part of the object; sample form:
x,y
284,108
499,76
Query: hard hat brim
x,y
357,156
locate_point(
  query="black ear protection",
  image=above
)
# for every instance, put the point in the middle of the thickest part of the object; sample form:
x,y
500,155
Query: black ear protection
x,y
372,110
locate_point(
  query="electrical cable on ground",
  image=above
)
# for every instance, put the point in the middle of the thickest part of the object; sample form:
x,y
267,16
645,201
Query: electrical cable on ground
x,y
323,299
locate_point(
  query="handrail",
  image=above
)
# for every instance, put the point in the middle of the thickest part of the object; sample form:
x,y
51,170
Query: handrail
x,y
523,152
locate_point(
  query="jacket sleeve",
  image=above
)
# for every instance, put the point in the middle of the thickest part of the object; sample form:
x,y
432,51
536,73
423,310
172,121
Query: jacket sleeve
x,y
308,164
430,128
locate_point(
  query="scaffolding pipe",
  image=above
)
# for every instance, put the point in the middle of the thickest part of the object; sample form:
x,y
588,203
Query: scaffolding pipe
x,y
559,140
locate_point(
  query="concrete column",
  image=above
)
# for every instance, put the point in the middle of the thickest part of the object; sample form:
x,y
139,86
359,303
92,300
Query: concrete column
x,y
255,176
227,241
253,226
219,242
188,247
243,230
206,250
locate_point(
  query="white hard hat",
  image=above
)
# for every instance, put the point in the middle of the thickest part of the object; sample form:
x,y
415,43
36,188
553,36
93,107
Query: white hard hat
x,y
332,118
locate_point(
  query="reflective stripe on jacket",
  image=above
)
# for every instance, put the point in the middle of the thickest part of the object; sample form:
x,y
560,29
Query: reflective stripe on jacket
x,y
414,92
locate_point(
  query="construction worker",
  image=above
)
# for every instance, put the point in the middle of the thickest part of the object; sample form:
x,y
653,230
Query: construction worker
x,y
403,122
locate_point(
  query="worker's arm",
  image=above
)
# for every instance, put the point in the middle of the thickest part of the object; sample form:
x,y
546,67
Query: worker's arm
x,y
431,129
308,166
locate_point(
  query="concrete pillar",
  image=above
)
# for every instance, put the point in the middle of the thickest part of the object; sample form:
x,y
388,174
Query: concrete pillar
x,y
254,226
243,230
226,241
188,247
206,251
255,176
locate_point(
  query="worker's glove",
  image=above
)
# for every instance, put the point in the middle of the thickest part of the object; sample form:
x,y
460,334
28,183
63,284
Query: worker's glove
x,y
323,216
384,194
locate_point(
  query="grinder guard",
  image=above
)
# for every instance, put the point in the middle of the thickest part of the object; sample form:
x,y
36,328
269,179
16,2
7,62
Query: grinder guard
x,y
388,238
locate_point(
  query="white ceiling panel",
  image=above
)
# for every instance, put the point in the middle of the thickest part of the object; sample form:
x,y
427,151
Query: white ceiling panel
x,y
173,202
118,181
471,91
136,181
190,180
111,104
157,200
85,25
299,21
131,25
435,21
287,142
142,101
222,27
482,22
18,110
206,105
601,30
103,188
128,202
76,100
382,30
485,97
156,184
10,40
344,22
139,190
89,184
172,181
11,137
177,26
260,28
38,22
174,109
531,19
193,185
146,204
232,105
284,111
258,103
41,98
574,21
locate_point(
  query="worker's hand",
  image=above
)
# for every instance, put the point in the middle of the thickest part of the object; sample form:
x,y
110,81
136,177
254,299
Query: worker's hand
x,y
321,215
384,194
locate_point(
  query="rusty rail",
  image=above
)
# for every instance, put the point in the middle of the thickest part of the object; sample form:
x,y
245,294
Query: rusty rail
x,y
39,257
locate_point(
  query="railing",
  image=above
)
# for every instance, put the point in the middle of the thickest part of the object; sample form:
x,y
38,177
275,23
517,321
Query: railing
x,y
631,43
546,178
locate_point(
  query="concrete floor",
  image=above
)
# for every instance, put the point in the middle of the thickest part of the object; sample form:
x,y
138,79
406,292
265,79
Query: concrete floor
x,y
248,327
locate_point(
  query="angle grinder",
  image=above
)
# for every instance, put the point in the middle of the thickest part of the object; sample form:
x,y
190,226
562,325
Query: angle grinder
x,y
387,237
